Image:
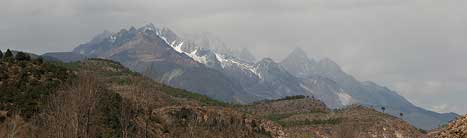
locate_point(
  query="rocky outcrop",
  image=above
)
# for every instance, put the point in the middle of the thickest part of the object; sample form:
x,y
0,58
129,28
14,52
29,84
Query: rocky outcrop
x,y
222,122
456,129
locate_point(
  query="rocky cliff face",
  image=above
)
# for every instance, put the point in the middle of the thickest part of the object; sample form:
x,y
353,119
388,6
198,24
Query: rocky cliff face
x,y
214,122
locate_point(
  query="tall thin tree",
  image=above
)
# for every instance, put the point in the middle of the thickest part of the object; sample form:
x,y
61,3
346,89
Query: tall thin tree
x,y
1,54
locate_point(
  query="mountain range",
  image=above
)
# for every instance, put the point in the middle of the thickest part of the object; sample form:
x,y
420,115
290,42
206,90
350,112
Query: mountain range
x,y
204,64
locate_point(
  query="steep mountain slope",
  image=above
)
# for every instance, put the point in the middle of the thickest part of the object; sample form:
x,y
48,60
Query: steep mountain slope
x,y
274,82
349,90
264,79
152,50
200,65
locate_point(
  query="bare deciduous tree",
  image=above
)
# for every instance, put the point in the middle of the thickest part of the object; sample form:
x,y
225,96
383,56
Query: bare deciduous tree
x,y
70,112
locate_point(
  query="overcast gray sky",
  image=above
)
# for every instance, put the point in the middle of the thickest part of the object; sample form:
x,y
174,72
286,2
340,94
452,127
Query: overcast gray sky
x,y
416,47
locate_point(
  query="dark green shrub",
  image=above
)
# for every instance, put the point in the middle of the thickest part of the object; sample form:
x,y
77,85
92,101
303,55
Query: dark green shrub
x,y
8,54
332,121
39,60
20,56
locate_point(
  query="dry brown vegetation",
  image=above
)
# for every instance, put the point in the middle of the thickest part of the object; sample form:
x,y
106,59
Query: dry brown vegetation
x,y
305,118
107,100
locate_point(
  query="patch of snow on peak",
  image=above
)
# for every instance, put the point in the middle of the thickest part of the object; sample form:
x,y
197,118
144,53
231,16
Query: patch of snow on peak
x,y
158,32
306,88
113,38
345,98
165,40
225,61
194,56
177,46
148,28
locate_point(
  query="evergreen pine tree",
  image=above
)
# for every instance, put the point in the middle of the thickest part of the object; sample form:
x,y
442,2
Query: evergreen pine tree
x,y
8,54
1,54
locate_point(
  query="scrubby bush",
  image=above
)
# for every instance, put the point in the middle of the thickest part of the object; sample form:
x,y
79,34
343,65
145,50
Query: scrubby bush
x,y
8,55
332,121
20,56
39,60
26,84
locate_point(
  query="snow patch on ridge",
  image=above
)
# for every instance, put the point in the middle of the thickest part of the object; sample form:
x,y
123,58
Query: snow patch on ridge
x,y
113,38
177,46
225,61
306,88
194,56
345,98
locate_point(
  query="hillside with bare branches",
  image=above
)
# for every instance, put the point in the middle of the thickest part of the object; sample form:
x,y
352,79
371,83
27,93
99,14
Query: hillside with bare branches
x,y
107,100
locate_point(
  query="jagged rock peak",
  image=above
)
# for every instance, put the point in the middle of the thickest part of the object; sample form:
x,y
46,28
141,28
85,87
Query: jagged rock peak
x,y
267,61
298,52
103,35
327,63
299,56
